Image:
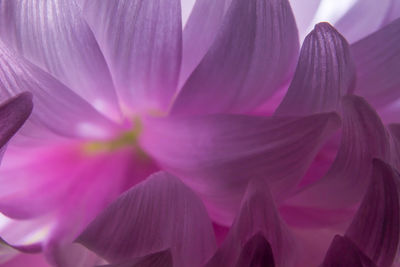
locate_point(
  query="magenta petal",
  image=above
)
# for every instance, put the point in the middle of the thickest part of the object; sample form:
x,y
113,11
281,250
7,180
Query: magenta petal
x,y
26,260
53,35
363,138
343,252
55,106
13,114
325,72
158,259
257,252
158,214
200,31
377,59
375,228
257,216
218,154
142,41
251,57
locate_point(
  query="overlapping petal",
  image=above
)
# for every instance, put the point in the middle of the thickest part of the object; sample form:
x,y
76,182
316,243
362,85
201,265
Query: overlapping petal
x,y
372,239
375,228
304,14
54,35
160,213
377,59
363,138
325,72
158,259
256,227
199,33
363,18
55,105
142,42
13,113
252,56
218,154
343,252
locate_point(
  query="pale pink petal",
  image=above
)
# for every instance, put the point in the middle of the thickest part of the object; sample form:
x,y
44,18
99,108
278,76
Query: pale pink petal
x,y
55,106
23,235
325,72
377,59
375,228
13,113
363,138
158,259
158,214
257,252
343,252
252,56
199,33
217,154
53,35
142,42
257,216
363,18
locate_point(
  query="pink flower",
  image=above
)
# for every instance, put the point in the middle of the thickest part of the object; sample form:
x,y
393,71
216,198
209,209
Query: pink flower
x,y
272,160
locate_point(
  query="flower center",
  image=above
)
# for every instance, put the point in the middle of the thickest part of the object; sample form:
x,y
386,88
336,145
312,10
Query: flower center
x,y
126,139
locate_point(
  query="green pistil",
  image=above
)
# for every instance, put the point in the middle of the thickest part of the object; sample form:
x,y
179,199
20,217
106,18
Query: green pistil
x,y
127,139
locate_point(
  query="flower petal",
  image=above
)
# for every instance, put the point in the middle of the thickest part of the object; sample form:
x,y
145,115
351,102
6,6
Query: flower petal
x,y
394,130
375,228
158,259
256,252
13,113
257,216
142,42
216,155
252,56
53,35
199,33
55,106
377,59
363,138
158,214
343,252
363,18
325,72
304,14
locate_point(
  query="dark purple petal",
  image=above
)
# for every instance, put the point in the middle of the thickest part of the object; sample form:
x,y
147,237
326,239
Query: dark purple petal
x,y
325,72
218,154
53,35
142,42
158,259
257,252
394,130
375,228
13,113
344,253
158,214
377,59
251,57
363,138
55,105
257,216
